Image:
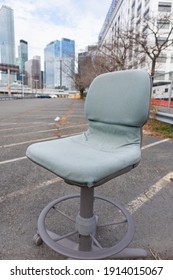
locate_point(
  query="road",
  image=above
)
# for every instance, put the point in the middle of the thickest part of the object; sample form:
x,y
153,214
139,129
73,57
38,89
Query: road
x,y
26,188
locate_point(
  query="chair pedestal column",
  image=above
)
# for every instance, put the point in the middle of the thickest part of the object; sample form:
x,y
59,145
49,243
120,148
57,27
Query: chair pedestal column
x,y
86,221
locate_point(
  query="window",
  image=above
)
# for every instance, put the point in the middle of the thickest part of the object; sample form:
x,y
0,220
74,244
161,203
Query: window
x,y
146,2
171,76
143,61
159,75
139,10
133,10
172,58
146,14
164,6
161,40
162,58
145,29
163,24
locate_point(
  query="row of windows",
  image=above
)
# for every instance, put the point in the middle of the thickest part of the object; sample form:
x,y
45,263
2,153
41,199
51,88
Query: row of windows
x,y
163,58
162,7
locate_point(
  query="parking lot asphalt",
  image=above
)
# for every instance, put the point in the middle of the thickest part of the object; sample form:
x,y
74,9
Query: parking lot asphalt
x,y
25,188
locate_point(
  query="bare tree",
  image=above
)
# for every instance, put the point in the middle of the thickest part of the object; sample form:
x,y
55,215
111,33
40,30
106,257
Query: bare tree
x,y
85,73
154,36
116,52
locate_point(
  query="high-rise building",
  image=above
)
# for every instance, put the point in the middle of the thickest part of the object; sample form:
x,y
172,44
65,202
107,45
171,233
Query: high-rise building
x,y
7,41
7,38
52,64
59,64
22,58
33,72
130,14
68,62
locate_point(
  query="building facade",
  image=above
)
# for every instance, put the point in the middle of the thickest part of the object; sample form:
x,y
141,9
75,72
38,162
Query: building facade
x,y
52,64
7,39
33,72
68,63
128,14
22,58
59,63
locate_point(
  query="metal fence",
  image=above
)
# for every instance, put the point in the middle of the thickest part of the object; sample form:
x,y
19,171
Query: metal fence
x,y
162,91
162,96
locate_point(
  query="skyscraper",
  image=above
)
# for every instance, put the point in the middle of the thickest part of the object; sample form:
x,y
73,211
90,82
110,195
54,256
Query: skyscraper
x,y
7,37
22,57
68,62
7,41
59,61
52,64
33,72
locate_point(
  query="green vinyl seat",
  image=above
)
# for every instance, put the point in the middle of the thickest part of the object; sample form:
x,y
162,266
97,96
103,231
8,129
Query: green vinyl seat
x,y
116,112
116,107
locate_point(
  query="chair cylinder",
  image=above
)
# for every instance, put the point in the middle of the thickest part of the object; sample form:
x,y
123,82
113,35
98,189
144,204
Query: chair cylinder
x,y
86,202
86,212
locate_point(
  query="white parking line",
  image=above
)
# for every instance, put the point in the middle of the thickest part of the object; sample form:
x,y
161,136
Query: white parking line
x,y
4,124
41,131
30,189
26,126
30,132
135,204
27,142
12,160
155,143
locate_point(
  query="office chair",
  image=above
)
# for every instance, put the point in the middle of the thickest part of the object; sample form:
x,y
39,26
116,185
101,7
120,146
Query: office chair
x,y
116,106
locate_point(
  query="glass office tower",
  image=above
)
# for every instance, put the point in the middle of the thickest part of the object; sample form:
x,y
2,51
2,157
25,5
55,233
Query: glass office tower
x,y
68,62
22,57
7,41
59,61
51,64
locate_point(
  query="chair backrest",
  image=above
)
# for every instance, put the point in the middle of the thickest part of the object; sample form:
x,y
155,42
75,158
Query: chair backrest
x,y
120,98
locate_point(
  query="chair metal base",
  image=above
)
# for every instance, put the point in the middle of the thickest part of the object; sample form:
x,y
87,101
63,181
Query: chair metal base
x,y
85,226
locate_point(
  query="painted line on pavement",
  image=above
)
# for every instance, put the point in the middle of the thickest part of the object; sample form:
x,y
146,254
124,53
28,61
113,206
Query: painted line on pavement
x,y
21,158
26,126
155,143
27,142
30,132
135,204
29,189
12,160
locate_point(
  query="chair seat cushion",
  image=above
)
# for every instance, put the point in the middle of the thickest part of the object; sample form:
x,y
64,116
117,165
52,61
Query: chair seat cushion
x,y
74,159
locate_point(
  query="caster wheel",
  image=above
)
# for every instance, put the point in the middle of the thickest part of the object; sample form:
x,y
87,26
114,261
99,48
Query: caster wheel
x,y
37,239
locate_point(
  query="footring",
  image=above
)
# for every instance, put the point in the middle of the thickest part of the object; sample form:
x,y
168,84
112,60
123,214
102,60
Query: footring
x,y
86,229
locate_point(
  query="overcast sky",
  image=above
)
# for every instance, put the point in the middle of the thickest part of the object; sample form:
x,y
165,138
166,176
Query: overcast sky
x,y
41,21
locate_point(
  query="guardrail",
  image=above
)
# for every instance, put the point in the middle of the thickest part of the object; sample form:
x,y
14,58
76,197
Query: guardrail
x,y
164,117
